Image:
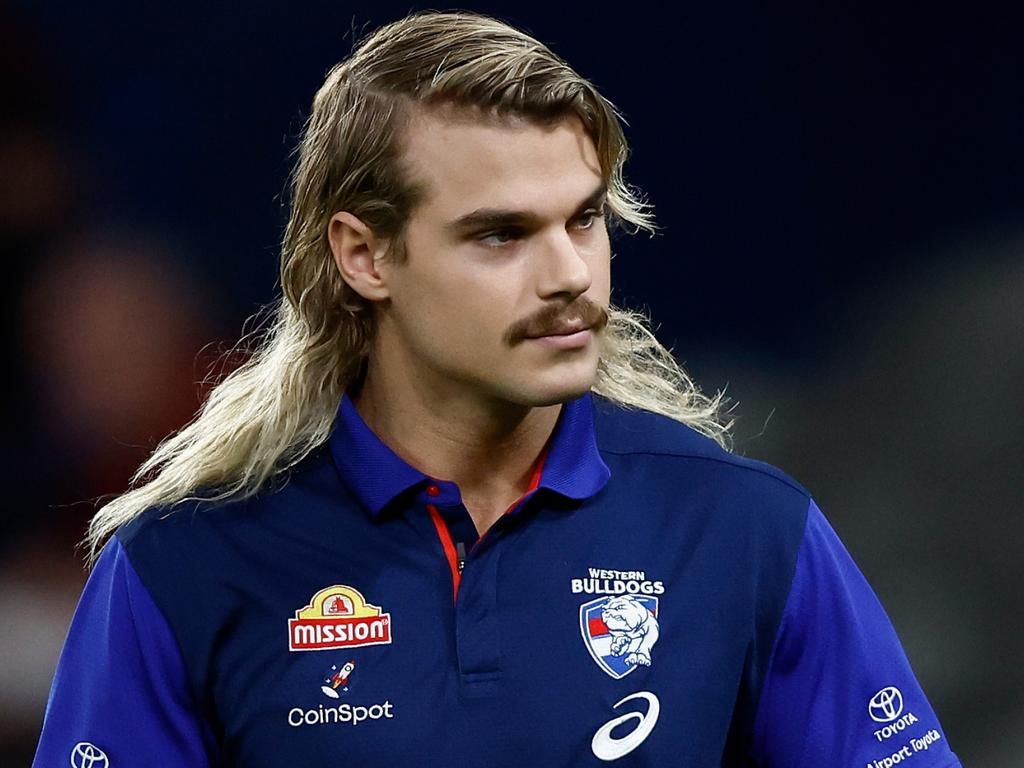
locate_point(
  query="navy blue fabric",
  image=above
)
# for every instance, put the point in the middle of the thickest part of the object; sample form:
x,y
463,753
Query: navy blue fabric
x,y
628,610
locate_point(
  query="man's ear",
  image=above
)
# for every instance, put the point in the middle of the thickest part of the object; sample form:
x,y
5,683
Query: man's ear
x,y
357,254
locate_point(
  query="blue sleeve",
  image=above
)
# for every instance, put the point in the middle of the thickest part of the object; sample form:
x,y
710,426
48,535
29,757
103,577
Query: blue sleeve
x,y
121,689
839,690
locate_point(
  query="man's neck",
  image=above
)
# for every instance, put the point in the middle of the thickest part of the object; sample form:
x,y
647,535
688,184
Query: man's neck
x,y
486,447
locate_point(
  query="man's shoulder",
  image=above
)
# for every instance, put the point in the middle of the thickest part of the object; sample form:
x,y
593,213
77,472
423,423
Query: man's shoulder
x,y
623,431
199,521
684,485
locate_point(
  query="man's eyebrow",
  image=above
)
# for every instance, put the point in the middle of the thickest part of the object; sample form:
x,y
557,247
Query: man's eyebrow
x,y
483,218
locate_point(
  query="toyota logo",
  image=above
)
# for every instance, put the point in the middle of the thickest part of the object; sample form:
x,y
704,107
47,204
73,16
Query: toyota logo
x,y
886,705
86,755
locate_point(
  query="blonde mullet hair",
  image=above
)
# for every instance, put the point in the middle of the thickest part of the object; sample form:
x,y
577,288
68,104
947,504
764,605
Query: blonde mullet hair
x,y
280,405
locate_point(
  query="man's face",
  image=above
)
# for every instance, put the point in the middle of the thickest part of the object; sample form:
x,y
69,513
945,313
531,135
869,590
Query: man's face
x,y
505,307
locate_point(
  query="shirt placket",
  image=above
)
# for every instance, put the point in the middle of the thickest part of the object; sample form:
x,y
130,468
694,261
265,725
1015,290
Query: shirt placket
x,y
473,562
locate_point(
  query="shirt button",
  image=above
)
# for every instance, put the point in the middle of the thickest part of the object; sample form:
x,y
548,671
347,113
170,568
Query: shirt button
x,y
433,490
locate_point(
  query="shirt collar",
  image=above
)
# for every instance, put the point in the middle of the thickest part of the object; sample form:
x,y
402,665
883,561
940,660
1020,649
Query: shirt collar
x,y
377,475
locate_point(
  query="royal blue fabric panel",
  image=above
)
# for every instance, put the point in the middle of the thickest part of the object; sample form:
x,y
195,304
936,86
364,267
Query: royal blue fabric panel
x,y
839,689
574,466
374,472
120,685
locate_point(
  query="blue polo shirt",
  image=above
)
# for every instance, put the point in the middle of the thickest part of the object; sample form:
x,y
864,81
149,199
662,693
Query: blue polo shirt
x,y
652,600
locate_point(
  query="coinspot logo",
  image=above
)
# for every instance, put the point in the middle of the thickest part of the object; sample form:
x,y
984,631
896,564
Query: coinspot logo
x,y
886,705
86,755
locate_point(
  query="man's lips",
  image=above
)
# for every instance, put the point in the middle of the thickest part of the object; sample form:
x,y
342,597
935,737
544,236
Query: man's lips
x,y
566,329
574,336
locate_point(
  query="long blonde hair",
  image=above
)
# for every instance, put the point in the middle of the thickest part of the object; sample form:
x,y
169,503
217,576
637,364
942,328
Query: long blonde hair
x,y
280,405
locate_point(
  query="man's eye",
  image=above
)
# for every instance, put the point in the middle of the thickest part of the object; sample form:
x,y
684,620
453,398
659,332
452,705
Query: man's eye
x,y
499,237
587,219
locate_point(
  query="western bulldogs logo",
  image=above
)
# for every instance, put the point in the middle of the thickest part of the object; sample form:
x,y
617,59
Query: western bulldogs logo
x,y
620,631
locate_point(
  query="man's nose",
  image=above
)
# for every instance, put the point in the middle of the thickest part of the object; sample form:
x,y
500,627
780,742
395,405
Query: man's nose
x,y
564,268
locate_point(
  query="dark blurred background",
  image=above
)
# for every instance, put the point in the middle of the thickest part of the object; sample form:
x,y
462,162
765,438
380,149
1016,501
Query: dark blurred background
x,y
843,250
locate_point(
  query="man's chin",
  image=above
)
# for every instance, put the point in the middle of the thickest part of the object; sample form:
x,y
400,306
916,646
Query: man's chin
x,y
537,395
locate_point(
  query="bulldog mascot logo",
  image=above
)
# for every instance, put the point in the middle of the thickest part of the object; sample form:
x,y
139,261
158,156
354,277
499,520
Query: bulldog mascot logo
x,y
620,631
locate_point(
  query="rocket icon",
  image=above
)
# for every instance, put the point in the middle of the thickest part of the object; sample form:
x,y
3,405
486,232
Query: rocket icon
x,y
337,678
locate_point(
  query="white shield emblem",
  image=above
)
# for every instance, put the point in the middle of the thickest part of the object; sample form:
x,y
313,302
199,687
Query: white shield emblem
x,y
620,631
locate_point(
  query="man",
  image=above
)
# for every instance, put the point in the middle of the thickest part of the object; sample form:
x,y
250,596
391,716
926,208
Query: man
x,y
458,509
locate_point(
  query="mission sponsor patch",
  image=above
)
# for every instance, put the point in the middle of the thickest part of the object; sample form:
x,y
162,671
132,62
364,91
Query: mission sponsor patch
x,y
338,617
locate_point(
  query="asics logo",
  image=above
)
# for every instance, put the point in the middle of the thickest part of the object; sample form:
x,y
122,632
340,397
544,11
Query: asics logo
x,y
608,748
